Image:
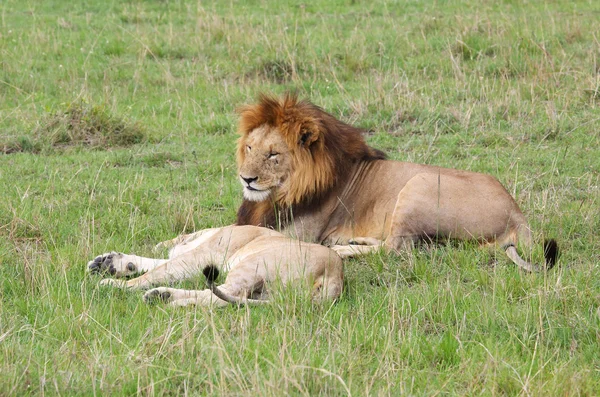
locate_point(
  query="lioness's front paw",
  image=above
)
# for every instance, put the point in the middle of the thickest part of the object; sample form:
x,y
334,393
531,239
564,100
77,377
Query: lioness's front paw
x,y
103,263
158,294
114,263
114,283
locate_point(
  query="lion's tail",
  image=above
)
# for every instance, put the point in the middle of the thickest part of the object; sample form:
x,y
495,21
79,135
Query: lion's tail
x,y
550,255
211,273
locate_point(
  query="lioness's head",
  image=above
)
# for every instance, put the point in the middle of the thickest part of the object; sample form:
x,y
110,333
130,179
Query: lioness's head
x,y
291,150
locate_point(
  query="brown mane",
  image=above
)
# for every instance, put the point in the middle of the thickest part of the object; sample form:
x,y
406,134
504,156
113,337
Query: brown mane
x,y
323,149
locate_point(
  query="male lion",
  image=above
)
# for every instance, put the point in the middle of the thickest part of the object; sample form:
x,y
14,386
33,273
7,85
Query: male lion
x,y
316,178
254,256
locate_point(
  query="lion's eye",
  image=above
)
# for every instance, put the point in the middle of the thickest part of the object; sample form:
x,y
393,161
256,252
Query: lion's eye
x,y
273,155
248,147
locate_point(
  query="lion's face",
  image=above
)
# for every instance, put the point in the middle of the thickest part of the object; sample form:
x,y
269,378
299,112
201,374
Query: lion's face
x,y
264,162
293,148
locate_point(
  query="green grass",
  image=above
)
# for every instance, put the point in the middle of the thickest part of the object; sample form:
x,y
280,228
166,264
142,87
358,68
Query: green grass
x,y
117,130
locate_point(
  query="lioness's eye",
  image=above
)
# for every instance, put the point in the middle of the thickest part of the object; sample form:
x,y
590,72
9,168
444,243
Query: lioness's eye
x,y
248,147
273,155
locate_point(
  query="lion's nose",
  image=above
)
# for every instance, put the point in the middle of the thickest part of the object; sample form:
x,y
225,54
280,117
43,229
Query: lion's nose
x,y
249,180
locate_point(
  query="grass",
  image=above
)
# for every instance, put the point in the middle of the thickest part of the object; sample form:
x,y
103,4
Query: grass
x,y
117,130
78,125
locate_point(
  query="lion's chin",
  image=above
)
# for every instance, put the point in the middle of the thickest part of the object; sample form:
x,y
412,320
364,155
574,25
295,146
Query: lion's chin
x,y
256,195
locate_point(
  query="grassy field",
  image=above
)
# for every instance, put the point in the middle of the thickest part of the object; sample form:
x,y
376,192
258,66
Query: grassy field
x,y
117,130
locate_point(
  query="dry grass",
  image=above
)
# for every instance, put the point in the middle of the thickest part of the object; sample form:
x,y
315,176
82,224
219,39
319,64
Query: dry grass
x,y
78,125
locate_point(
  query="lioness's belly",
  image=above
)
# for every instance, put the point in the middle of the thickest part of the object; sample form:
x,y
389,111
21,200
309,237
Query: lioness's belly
x,y
278,255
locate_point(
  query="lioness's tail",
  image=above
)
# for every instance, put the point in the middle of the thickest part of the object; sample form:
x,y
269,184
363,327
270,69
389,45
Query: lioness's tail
x,y
211,273
550,256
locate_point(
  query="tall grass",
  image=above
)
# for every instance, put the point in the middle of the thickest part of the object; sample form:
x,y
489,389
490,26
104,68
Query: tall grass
x,y
507,88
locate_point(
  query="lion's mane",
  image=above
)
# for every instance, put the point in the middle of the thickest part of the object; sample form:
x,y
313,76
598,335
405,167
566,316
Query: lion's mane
x,y
323,149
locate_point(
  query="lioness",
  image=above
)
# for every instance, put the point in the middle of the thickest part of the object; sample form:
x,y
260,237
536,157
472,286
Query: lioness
x,y
254,257
315,176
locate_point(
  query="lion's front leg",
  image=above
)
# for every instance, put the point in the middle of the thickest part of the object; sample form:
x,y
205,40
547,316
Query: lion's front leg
x,y
122,265
350,251
358,246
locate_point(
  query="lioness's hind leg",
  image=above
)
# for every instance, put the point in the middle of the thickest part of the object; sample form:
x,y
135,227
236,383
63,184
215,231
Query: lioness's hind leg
x,y
168,295
183,297
330,280
158,294
207,301
327,288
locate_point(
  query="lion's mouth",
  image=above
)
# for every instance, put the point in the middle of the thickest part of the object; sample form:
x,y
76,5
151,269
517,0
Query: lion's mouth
x,y
253,194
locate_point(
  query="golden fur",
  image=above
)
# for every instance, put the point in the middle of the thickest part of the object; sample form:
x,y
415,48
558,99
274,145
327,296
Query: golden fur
x,y
314,167
253,256
314,176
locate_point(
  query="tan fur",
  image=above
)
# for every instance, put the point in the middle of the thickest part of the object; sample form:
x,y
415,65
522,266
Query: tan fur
x,y
329,186
253,256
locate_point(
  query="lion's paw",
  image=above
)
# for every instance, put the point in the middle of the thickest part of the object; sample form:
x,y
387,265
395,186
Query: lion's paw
x,y
161,294
365,241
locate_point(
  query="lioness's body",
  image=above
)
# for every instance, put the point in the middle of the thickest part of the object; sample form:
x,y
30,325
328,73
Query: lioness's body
x,y
253,256
315,177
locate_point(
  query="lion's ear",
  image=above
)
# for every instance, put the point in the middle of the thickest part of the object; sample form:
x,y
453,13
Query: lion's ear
x,y
307,137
